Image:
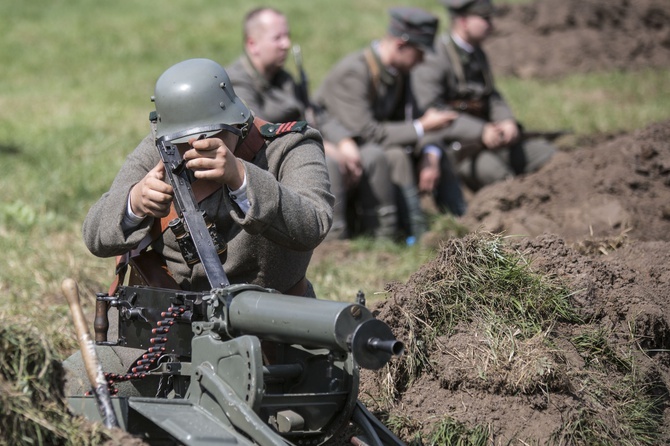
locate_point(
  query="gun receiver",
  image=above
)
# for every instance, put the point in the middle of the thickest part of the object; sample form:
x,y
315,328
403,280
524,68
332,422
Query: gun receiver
x,y
186,206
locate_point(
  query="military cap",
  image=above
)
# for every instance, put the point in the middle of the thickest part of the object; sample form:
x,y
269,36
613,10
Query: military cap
x,y
482,8
414,26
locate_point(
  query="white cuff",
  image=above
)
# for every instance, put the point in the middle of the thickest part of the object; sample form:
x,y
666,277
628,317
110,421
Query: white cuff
x,y
130,219
418,128
239,196
434,150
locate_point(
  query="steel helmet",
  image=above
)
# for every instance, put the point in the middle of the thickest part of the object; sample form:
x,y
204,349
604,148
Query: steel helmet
x,y
196,97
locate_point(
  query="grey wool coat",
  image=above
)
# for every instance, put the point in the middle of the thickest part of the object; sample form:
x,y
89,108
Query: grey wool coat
x,y
270,246
435,83
374,108
278,100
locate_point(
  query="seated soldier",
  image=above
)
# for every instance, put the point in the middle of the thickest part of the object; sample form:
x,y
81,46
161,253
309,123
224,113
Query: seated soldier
x,y
359,178
369,93
458,77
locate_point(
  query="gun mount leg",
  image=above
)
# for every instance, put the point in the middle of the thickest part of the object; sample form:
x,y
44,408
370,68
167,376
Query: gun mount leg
x,y
376,433
241,415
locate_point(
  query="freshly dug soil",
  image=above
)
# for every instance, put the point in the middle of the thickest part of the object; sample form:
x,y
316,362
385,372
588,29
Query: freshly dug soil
x,y
553,38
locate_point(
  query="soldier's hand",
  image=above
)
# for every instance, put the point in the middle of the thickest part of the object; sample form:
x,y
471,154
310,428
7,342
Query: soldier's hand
x,y
211,159
429,172
351,160
435,119
492,137
509,130
152,196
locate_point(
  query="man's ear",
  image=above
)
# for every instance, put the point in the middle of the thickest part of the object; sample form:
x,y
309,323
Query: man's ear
x,y
250,44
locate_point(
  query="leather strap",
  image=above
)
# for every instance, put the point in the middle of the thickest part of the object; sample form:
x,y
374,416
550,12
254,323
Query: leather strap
x,y
299,289
374,69
449,45
202,189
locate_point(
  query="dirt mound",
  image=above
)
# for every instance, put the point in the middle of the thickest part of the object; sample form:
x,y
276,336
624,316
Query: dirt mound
x,y
552,38
549,386
597,218
595,196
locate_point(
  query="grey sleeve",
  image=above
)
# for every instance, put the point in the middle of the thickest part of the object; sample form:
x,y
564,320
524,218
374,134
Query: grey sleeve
x,y
294,209
102,231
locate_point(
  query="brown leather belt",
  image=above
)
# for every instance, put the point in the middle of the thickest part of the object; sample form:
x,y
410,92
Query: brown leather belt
x,y
475,107
299,289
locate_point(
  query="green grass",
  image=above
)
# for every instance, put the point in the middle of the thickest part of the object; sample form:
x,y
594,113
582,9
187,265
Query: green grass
x,y
32,409
593,103
451,432
368,266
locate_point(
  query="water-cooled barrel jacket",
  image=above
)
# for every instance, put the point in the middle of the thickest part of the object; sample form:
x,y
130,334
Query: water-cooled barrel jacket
x,y
435,82
271,246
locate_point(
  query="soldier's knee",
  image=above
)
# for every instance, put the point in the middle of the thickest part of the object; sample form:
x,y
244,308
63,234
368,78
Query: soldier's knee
x,y
538,152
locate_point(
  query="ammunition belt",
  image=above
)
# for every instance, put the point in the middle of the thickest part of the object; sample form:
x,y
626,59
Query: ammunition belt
x,y
150,357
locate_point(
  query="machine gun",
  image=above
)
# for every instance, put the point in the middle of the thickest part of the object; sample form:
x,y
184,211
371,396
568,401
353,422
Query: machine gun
x,y
240,364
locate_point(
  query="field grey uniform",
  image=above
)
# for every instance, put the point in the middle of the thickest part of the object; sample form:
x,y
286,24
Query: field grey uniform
x,y
376,104
452,74
279,101
270,246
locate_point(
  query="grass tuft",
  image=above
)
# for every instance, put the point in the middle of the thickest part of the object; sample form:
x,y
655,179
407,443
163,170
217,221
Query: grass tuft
x,y
451,432
479,280
32,408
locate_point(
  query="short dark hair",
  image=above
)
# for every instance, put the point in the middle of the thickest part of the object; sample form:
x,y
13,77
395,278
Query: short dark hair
x,y
252,15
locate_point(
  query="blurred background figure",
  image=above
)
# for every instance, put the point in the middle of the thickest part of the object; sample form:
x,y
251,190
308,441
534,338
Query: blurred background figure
x,y
369,91
272,94
489,143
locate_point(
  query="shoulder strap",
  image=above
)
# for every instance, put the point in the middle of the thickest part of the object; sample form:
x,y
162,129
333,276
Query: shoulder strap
x,y
270,131
373,67
455,61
